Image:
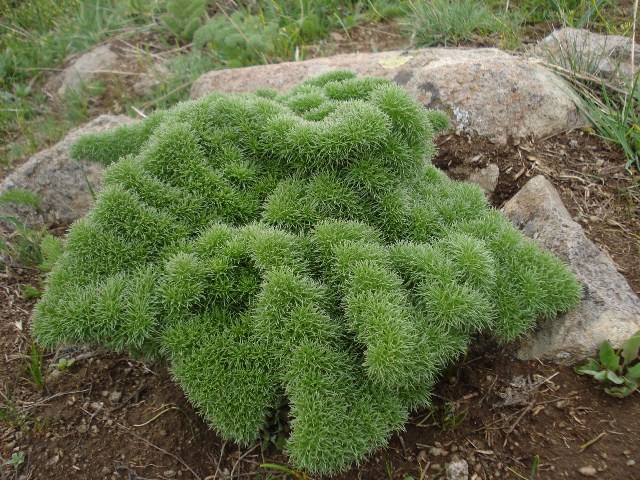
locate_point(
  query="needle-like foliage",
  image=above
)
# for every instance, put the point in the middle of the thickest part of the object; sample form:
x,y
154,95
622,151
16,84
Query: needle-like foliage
x,y
295,249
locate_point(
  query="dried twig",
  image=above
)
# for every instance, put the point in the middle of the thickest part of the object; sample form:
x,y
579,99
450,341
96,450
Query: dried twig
x,y
235,465
161,450
592,441
515,424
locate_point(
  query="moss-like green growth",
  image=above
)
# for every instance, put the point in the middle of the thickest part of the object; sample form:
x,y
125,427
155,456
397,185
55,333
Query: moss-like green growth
x,y
295,248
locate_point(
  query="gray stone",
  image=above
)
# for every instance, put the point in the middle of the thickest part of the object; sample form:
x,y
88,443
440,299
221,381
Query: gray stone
x,y
588,471
438,452
146,83
59,181
576,49
457,470
486,91
115,397
609,308
89,66
486,178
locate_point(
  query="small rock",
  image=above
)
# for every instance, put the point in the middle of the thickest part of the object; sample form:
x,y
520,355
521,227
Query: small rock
x,y
486,178
588,471
458,470
82,428
438,452
607,56
609,308
87,67
149,81
169,473
53,377
115,396
631,463
436,467
60,182
97,406
105,393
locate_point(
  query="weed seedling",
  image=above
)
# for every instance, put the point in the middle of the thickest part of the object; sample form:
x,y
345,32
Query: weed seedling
x,y
618,369
17,459
35,366
63,364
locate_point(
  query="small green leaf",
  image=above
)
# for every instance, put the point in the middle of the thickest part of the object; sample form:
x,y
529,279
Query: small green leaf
x,y
624,391
634,372
590,368
615,378
608,357
601,376
631,348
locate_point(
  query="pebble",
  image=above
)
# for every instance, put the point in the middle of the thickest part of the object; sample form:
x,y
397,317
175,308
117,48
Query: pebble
x,y
53,376
96,406
170,473
458,470
435,467
115,396
631,463
588,471
438,452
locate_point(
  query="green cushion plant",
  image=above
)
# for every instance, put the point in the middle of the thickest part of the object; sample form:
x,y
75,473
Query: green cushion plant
x,y
295,248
